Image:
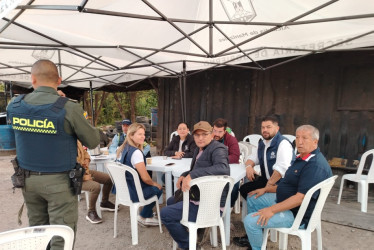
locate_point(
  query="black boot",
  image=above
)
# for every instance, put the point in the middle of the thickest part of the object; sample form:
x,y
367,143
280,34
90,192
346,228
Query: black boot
x,y
242,241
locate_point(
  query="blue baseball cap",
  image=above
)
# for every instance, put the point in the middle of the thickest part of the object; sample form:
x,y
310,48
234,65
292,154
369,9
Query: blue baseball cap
x,y
127,122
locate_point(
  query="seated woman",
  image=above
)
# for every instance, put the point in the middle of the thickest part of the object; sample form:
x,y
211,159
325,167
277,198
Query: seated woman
x,y
182,145
131,152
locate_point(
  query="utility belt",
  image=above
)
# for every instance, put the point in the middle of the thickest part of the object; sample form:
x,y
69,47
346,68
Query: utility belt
x,y
27,173
75,175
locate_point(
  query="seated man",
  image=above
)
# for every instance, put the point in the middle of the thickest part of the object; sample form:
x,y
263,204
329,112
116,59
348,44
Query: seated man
x,y
119,138
279,206
220,134
91,183
210,158
274,155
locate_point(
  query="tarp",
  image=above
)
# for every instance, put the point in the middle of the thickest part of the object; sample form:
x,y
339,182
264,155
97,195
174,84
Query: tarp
x,y
111,42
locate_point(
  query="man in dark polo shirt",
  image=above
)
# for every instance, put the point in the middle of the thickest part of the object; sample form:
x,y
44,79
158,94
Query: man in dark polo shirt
x,y
279,206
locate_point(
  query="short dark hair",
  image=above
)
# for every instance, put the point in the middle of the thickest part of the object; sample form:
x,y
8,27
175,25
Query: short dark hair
x,y
182,123
271,118
220,122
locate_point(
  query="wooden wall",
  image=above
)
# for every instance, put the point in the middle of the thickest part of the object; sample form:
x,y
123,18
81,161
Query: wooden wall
x,y
334,92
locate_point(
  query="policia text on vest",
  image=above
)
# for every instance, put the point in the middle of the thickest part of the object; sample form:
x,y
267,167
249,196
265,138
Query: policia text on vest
x,y
46,126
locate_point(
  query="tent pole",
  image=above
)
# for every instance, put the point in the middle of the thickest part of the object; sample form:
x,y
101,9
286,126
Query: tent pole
x,y
184,92
92,107
181,95
210,27
10,90
59,62
5,93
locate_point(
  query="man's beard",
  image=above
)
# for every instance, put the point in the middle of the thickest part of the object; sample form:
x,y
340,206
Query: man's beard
x,y
217,138
269,137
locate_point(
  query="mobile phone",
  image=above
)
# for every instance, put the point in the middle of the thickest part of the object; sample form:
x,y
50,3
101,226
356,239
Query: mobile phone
x,y
169,164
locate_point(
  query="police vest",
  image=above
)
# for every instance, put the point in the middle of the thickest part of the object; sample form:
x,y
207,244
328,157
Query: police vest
x,y
41,142
271,153
126,159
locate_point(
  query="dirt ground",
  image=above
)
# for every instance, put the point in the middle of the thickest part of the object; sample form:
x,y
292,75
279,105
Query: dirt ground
x,y
100,236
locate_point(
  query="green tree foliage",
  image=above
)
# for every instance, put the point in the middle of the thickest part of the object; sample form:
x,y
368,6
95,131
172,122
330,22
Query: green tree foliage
x,y
2,97
145,100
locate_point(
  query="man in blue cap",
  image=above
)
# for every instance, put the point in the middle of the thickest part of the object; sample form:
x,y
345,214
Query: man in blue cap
x,y
119,138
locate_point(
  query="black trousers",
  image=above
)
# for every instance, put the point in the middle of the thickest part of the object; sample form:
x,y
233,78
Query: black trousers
x,y
252,185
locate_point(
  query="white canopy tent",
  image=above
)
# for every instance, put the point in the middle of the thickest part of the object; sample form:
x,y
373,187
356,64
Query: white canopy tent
x,y
111,42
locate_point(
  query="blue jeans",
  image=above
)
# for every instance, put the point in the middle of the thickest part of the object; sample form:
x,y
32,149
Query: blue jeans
x,y
255,231
148,192
171,216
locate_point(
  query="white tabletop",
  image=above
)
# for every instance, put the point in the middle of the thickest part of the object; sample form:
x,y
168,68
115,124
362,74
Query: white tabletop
x,y
159,164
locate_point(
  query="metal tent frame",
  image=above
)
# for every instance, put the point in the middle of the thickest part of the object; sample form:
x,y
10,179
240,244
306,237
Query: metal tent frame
x,y
99,71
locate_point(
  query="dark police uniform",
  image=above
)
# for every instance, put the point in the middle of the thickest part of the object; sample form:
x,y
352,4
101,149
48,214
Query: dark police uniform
x,y
47,127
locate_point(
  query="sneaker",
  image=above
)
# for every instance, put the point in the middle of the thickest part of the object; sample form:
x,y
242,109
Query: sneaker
x,y
152,222
93,217
107,206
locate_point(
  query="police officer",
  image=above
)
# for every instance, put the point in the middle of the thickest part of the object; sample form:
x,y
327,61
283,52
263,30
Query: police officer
x,y
47,127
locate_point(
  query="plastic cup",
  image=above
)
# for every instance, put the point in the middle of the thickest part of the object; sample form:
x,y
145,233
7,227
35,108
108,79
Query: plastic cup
x,y
164,157
149,161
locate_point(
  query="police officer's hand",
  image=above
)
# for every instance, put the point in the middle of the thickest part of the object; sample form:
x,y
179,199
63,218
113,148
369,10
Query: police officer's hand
x,y
60,93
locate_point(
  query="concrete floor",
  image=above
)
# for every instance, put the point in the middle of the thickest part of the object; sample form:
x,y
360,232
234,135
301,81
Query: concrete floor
x,y
348,213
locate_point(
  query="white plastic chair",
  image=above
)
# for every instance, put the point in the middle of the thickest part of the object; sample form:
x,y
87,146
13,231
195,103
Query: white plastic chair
x,y
117,172
244,152
314,223
208,215
252,139
291,138
175,133
362,180
36,238
86,194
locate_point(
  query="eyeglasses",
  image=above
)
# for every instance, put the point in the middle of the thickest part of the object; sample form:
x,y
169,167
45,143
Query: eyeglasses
x,y
201,135
218,132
